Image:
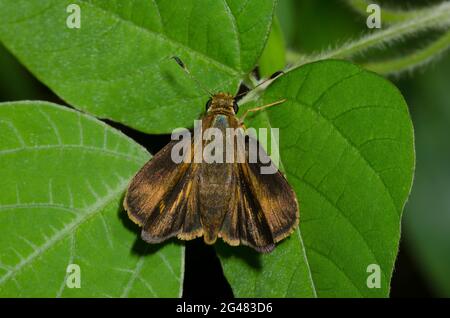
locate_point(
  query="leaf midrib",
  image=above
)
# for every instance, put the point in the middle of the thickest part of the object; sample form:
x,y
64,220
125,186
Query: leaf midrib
x,y
235,30
72,147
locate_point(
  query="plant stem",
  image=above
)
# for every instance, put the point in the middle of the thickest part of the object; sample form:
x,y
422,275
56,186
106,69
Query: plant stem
x,y
389,15
436,17
412,60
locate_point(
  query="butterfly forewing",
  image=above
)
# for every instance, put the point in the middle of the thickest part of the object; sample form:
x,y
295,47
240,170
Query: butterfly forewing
x,y
162,198
151,184
177,213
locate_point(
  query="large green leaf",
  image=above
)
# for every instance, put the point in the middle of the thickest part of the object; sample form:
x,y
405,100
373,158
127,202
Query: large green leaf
x,y
346,144
63,175
118,66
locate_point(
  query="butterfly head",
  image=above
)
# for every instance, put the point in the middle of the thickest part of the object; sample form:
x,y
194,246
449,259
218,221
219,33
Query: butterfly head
x,y
222,102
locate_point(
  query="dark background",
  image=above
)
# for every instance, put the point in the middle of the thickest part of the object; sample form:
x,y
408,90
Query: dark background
x,y
423,265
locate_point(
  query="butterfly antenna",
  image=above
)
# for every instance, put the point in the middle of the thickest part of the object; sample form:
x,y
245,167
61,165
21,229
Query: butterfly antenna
x,y
274,75
183,66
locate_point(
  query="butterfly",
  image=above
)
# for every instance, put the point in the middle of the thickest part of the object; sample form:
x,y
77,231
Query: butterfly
x,y
229,200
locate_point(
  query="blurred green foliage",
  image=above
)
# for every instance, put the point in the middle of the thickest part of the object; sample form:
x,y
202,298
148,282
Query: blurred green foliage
x,y
311,25
427,215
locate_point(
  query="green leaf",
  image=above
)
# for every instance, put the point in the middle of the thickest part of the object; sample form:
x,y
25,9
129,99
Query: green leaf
x,y
273,58
118,64
63,179
346,145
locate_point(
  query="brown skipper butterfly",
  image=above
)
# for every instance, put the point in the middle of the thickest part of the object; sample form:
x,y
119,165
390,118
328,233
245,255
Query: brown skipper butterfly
x,y
230,200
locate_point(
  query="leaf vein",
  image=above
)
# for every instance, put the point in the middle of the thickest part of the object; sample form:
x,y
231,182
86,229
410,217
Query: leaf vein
x,y
166,39
62,233
345,217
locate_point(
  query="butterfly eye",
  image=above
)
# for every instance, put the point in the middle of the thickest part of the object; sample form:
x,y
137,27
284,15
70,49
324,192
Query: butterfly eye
x,y
235,107
208,104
